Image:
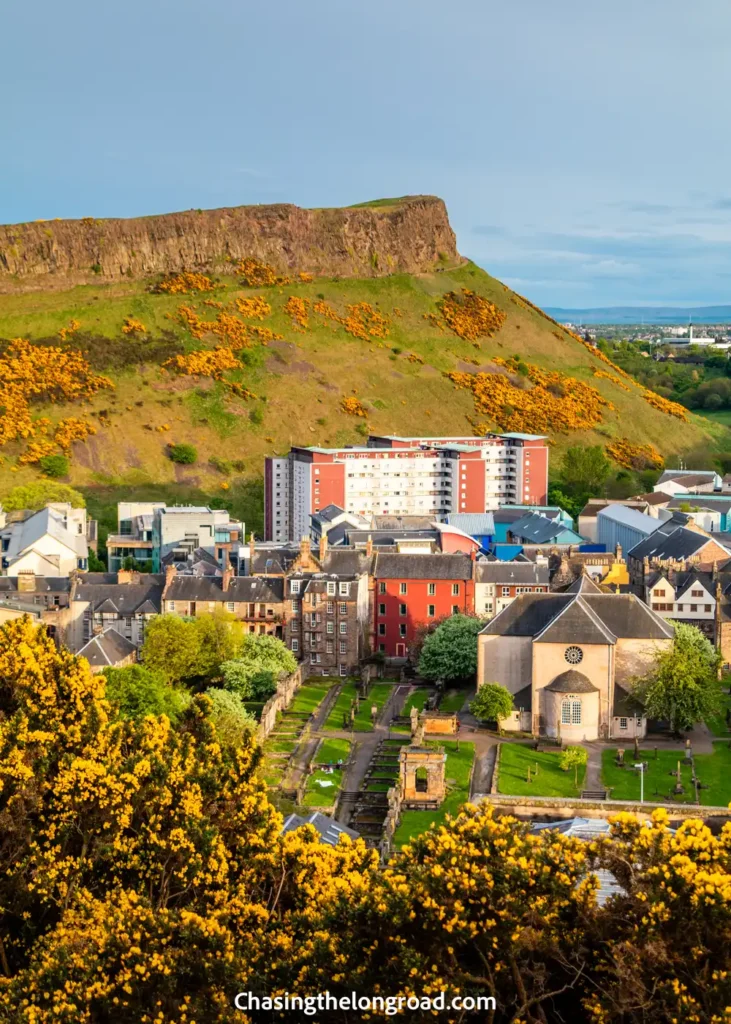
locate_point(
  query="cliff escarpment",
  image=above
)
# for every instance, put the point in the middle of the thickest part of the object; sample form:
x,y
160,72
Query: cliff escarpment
x,y
408,235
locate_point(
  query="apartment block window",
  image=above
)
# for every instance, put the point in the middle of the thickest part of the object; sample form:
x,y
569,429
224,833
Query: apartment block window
x,y
506,591
329,647
707,607
381,609
402,588
430,611
295,644
402,629
343,646
331,588
330,627
343,627
432,589
381,588
343,609
330,607
171,606
295,586
343,670
455,609
381,628
694,607
229,606
344,589
696,593
402,609
313,659
455,589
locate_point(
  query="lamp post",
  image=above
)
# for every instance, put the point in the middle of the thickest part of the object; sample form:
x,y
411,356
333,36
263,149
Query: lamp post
x,y
641,768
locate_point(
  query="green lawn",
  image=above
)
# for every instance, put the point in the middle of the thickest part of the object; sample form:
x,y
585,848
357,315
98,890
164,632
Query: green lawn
x,y
311,694
378,695
625,782
550,781
458,769
279,746
715,771
322,788
717,723
453,700
417,700
332,750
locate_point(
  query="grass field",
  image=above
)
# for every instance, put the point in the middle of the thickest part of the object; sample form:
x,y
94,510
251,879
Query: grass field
x,y
515,760
717,723
311,694
453,700
458,770
625,782
332,750
322,788
300,382
379,694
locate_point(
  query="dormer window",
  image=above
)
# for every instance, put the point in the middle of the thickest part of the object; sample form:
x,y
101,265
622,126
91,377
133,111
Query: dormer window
x,y
295,586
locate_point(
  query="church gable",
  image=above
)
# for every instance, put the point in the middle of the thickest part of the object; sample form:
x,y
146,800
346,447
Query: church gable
x,y
576,624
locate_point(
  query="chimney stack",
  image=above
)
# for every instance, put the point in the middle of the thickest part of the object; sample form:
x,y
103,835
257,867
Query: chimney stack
x,y
226,578
369,546
618,553
124,575
323,547
252,553
305,549
26,581
170,574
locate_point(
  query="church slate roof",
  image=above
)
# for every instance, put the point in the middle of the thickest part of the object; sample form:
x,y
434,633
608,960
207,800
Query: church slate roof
x,y
572,681
598,618
576,623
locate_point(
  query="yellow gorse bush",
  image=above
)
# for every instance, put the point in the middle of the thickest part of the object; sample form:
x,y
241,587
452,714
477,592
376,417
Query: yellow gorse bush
x,y
468,315
133,326
634,456
183,283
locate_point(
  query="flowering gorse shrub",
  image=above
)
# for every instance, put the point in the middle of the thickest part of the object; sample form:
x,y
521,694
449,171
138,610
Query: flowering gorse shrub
x,y
257,274
468,315
610,377
298,309
254,308
133,326
353,406
183,283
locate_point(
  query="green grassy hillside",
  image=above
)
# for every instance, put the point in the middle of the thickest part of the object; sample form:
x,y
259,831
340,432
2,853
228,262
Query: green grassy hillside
x,y
300,382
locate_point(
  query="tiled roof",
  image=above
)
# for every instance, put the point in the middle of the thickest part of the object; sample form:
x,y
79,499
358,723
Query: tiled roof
x,y
124,598
476,524
576,623
680,544
537,528
572,681
43,584
511,573
422,567
264,589
107,649
620,615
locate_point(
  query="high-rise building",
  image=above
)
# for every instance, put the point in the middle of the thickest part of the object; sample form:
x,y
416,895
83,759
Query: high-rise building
x,y
422,476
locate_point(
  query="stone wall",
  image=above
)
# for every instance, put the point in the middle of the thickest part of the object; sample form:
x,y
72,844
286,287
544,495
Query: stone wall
x,y
286,689
546,808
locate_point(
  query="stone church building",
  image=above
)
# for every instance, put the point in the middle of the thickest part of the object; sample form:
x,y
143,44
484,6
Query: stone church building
x,y
569,660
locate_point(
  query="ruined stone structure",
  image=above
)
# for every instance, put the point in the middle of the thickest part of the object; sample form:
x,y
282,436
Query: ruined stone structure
x,y
422,777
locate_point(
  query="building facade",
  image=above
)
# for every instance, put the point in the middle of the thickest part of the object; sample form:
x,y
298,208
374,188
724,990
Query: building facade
x,y
256,601
499,583
155,532
327,620
403,476
412,591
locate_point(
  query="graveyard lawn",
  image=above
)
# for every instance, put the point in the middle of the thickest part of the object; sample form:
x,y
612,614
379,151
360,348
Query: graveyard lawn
x,y
417,700
379,694
311,694
458,776
515,760
332,751
624,783
453,700
717,723
322,788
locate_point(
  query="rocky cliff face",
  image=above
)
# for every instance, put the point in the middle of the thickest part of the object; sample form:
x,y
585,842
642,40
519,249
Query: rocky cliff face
x,y
411,235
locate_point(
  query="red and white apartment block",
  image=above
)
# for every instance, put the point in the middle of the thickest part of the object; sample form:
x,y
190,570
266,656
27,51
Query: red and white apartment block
x,y
423,476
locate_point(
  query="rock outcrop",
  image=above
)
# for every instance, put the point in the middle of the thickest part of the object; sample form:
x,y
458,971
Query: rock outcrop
x,y
409,235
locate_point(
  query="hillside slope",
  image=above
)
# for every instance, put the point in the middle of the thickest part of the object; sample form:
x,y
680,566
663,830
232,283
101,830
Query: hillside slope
x,y
381,345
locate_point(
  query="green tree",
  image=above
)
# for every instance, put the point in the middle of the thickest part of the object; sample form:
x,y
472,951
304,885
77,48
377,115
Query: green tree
x,y
573,506
172,647
234,724
95,563
54,465
219,638
573,757
492,703
683,687
450,652
261,660
585,470
137,691
37,495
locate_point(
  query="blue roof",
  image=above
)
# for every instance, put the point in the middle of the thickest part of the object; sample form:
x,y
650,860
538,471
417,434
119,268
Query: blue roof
x,y
627,516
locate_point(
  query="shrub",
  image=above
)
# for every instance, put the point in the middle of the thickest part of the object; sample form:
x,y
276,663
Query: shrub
x,y
54,465
229,715
37,496
137,691
257,415
185,454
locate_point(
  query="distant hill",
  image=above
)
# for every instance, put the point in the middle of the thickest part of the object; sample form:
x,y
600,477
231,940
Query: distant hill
x,y
291,353
643,314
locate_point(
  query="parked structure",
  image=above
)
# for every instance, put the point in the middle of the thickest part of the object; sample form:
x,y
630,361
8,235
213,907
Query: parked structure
x,y
403,476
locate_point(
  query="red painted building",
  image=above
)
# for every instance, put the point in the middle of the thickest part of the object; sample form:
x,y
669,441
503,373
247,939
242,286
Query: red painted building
x,y
414,590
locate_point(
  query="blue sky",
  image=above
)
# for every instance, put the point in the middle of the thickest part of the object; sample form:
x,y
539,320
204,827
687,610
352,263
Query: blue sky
x,y
583,149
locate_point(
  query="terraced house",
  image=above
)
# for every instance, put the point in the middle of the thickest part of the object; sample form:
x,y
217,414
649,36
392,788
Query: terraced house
x,y
124,600
256,601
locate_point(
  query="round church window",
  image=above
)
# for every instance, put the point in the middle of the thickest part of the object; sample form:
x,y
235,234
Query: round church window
x,y
573,655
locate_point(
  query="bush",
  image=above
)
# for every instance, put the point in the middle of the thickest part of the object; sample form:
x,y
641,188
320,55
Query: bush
x,y
257,415
54,465
713,401
229,715
37,496
185,454
137,691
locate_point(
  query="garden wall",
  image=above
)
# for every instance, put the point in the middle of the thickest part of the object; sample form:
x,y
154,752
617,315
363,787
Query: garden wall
x,y
286,689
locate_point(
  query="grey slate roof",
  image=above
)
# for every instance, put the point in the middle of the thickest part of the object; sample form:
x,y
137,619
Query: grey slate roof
x,y
687,477
264,589
680,544
577,623
523,699
328,513
682,586
273,561
330,830
512,515
43,585
507,573
125,598
572,681
583,585
707,502
347,561
594,506
536,528
422,567
625,705
107,649
621,615
386,538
